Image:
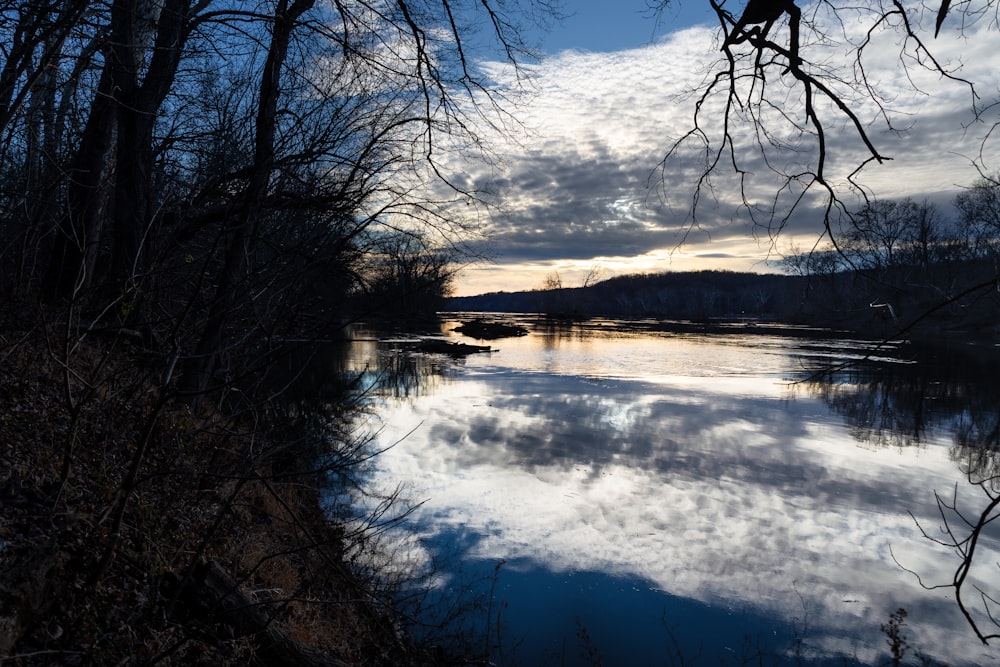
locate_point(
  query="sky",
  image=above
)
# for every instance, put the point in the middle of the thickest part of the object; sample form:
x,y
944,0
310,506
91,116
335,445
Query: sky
x,y
577,183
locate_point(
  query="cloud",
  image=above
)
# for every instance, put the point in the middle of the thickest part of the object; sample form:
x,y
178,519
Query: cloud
x,y
586,181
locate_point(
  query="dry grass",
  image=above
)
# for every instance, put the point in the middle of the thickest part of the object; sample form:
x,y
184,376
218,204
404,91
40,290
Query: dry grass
x,y
202,496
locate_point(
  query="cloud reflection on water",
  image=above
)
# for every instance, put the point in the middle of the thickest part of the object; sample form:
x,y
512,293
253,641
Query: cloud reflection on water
x,y
711,479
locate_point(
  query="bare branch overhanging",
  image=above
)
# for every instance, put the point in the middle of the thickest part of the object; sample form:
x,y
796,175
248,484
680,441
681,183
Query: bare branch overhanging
x,y
776,52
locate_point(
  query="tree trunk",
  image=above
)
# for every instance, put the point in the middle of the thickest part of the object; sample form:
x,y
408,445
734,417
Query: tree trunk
x,y
79,228
243,231
117,141
137,115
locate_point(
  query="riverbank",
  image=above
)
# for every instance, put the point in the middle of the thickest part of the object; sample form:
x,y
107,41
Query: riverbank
x,y
135,529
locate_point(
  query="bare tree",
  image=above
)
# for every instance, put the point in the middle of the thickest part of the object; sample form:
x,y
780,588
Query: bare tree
x,y
404,276
552,281
199,182
335,114
886,234
979,216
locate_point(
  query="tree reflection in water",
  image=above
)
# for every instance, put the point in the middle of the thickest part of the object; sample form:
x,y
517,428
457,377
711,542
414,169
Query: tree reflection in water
x,y
951,391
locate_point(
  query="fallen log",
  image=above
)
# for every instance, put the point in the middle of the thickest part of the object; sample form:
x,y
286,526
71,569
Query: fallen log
x,y
210,595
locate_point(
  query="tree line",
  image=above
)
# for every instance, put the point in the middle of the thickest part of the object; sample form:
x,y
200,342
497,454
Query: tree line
x,y
895,263
911,263
195,170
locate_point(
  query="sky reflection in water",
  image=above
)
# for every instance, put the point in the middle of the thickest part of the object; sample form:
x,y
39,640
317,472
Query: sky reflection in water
x,y
644,482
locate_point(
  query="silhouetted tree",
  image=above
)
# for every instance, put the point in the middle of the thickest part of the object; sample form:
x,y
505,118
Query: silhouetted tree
x,y
190,189
979,216
403,277
172,166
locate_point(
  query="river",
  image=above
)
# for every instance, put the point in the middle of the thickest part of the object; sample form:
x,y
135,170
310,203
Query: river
x,y
614,493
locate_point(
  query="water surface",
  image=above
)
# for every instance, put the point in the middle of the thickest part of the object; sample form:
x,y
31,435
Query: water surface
x,y
650,497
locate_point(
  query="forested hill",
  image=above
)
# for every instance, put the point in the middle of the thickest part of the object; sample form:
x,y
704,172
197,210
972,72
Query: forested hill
x,y
862,301
691,295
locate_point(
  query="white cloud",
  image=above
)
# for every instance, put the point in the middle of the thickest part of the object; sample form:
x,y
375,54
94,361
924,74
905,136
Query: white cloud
x,y
578,186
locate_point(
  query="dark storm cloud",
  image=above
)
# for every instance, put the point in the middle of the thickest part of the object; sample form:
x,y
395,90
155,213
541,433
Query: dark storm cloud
x,y
573,205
